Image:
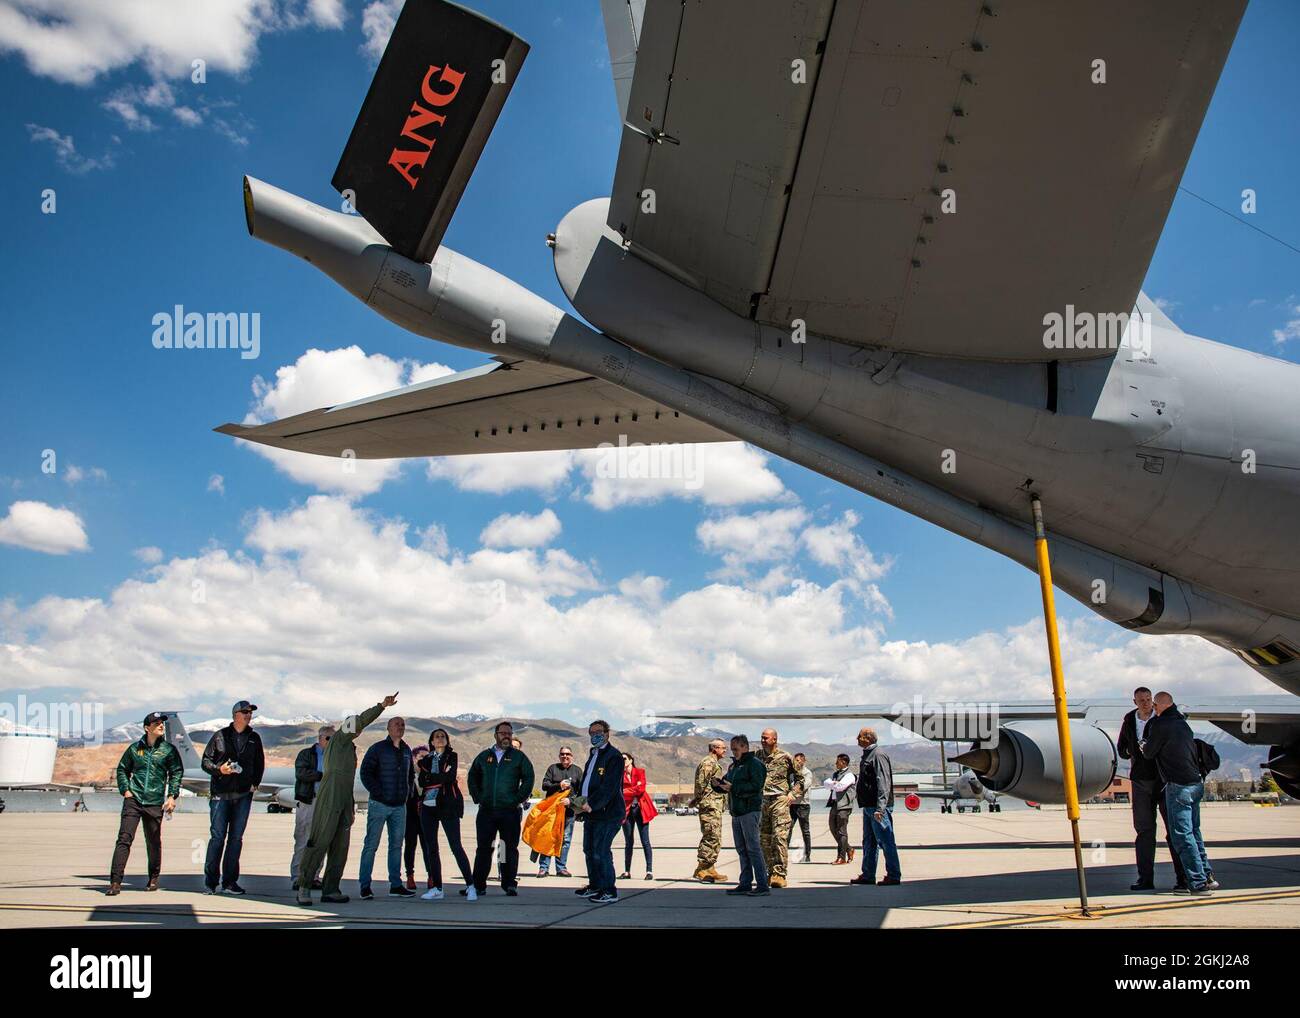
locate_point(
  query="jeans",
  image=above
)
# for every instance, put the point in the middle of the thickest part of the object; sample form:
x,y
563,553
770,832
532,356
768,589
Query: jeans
x,y
544,861
598,847
878,835
488,824
632,822
745,833
1183,803
227,820
379,816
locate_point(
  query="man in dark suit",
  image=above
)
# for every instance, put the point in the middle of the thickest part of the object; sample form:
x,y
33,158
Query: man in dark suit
x,y
602,813
1148,793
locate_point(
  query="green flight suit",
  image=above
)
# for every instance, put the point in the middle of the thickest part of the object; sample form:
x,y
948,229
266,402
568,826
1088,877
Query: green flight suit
x,y
331,824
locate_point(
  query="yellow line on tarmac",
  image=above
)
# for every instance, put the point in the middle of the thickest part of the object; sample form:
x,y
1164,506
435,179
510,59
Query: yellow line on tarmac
x,y
1105,912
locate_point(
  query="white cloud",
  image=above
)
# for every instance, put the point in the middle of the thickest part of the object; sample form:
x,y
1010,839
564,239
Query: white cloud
x,y
328,606
43,527
779,535
77,42
150,555
321,378
521,530
498,473
1290,329
377,21
75,474
217,483
721,473
742,539
65,151
715,473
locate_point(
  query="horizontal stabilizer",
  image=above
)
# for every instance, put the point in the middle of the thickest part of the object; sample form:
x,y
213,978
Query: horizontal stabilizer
x,y
433,102
517,406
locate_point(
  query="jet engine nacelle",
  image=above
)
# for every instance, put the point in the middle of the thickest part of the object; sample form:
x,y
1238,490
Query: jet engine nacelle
x,y
1026,762
284,798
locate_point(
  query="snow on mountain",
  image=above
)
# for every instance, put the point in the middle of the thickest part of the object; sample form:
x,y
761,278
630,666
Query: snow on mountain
x,y
673,729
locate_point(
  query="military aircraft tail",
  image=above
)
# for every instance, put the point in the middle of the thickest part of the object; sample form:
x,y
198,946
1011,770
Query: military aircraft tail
x,y
180,738
434,100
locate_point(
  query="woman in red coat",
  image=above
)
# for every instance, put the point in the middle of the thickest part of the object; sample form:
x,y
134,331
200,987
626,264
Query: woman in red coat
x,y
640,811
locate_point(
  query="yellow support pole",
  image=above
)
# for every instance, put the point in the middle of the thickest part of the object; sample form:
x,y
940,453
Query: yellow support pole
x,y
1058,694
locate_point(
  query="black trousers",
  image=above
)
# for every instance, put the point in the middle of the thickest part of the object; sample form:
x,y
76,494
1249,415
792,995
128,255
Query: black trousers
x,y
133,814
488,824
839,820
1148,796
633,822
429,822
414,835
799,813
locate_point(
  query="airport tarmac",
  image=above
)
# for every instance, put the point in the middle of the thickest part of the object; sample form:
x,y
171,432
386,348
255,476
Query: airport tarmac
x,y
1008,869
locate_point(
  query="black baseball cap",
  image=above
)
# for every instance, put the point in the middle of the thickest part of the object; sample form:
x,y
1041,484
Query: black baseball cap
x,y
242,705
153,717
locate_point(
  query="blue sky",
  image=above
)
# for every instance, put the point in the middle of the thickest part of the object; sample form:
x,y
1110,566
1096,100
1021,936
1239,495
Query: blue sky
x,y
150,215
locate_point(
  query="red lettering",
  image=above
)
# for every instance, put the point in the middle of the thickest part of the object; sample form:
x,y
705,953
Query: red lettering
x,y
405,162
448,77
420,117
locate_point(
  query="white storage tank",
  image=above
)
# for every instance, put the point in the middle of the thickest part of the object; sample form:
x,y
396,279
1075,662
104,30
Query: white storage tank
x,y
26,755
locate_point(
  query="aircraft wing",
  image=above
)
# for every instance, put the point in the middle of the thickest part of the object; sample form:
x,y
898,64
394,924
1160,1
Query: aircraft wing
x,y
1269,717
931,177
507,406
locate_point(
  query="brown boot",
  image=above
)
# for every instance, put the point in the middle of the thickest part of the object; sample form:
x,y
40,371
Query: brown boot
x,y
703,874
114,888
718,878
410,880
852,853
776,881
152,885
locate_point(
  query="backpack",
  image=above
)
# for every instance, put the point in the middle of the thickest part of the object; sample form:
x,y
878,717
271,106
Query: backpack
x,y
1207,757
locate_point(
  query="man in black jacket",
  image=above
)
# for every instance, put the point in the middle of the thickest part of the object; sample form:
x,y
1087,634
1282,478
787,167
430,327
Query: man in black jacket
x,y
234,759
308,769
1172,745
558,777
602,811
387,772
1148,793
875,794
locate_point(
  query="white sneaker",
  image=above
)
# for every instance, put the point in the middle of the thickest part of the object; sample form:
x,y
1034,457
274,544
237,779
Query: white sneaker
x,y
471,895
432,894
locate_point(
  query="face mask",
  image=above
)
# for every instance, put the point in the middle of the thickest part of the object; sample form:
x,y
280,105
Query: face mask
x,y
598,741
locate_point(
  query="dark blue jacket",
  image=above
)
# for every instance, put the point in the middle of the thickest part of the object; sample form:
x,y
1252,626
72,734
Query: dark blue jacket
x,y
605,793
386,772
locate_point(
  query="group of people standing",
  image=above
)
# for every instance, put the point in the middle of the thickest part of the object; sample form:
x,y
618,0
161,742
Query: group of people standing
x,y
1167,770
415,795
766,791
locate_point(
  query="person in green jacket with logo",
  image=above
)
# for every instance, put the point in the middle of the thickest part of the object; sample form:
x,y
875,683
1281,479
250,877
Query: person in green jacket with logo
x,y
331,823
149,778
500,780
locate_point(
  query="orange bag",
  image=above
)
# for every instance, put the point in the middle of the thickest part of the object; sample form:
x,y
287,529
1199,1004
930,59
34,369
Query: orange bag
x,y
544,825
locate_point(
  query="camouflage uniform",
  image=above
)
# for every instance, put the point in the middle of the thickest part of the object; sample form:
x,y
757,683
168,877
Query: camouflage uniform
x,y
711,804
783,779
